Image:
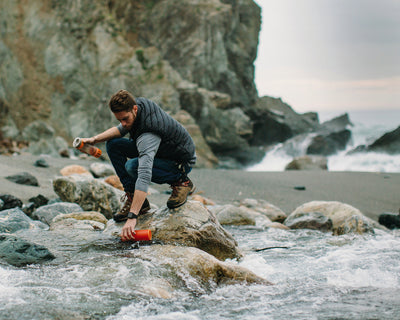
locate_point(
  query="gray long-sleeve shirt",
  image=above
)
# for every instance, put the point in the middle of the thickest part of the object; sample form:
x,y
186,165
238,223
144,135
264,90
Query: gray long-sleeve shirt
x,y
147,145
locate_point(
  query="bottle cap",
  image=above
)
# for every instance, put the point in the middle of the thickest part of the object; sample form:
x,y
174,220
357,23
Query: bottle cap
x,y
77,143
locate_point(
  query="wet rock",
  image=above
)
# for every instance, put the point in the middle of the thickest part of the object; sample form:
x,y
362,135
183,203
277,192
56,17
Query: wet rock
x,y
67,224
19,252
9,201
355,224
189,262
264,207
47,213
91,194
189,225
310,220
329,144
336,124
100,170
338,212
389,143
203,200
85,215
390,220
12,220
1,204
24,178
39,200
308,163
75,169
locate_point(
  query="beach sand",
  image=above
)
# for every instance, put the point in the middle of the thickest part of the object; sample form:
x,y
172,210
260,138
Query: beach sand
x,y
371,193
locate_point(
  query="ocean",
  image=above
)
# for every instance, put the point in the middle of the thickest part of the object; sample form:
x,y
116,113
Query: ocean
x,y
368,125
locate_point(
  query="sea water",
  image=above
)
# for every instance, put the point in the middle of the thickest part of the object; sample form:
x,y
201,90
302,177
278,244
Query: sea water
x,y
368,126
315,275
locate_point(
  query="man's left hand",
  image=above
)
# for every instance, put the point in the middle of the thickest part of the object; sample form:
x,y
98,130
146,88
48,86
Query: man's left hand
x,y
128,230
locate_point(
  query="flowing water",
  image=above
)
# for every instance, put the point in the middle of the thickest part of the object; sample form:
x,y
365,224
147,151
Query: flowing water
x,y
316,276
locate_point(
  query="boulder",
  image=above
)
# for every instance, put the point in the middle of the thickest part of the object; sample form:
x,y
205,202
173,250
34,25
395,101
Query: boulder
x,y
75,169
330,143
24,178
265,208
336,124
12,220
310,220
68,224
85,215
390,220
9,201
189,225
388,143
336,211
355,224
91,194
100,170
19,252
309,163
232,215
114,182
47,213
205,268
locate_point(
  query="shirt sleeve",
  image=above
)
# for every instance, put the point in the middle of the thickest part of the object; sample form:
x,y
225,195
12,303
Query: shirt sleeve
x,y
122,130
147,145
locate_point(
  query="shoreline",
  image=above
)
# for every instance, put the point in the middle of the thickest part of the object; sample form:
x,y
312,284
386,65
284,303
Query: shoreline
x,y
371,193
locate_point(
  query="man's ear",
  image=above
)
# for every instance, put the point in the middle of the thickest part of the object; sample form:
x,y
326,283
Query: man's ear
x,y
135,107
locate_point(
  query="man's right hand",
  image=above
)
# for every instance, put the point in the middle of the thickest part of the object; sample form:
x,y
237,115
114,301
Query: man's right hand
x,y
128,230
91,140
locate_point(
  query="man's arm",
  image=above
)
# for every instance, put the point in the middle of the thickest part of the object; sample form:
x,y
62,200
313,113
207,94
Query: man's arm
x,y
147,144
104,136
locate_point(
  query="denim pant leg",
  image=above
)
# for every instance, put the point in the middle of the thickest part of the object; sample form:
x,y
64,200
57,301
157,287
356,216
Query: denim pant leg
x,y
164,171
119,150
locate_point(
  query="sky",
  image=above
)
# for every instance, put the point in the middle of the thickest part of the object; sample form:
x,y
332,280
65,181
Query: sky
x,y
331,55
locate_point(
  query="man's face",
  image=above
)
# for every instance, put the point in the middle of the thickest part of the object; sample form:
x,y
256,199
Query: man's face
x,y
126,118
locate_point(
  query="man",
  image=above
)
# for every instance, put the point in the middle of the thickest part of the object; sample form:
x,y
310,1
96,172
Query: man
x,y
159,150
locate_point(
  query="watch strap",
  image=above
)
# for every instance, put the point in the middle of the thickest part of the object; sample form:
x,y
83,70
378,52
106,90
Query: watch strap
x,y
132,215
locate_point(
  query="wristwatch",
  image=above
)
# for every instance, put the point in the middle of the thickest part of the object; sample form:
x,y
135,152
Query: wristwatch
x,y
132,215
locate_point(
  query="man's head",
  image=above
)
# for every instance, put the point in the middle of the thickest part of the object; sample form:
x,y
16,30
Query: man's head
x,y
124,107
121,101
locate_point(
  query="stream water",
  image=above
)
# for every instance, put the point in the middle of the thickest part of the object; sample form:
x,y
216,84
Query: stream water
x,y
317,276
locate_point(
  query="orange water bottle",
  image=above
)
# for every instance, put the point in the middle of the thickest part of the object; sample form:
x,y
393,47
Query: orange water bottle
x,y
141,235
86,148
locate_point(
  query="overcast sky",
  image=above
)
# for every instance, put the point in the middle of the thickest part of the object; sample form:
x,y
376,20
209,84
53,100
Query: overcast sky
x,y
330,54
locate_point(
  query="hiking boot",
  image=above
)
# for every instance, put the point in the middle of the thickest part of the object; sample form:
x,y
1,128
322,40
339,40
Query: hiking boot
x,y
180,191
122,215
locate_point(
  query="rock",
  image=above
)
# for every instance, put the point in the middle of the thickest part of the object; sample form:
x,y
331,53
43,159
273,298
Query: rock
x,y
232,215
47,213
1,204
100,170
389,143
42,163
309,220
336,124
390,220
19,252
75,169
85,215
189,225
67,224
12,220
338,212
355,224
38,130
206,269
114,181
39,200
275,121
91,194
308,163
203,200
264,207
329,144
9,201
24,178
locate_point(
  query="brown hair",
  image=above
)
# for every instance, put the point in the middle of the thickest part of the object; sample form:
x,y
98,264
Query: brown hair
x,y
121,101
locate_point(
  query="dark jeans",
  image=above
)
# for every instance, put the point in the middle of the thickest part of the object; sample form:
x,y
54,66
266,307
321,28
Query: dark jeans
x,y
120,150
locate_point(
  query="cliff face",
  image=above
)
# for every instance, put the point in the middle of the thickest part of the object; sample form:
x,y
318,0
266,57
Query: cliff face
x,y
60,61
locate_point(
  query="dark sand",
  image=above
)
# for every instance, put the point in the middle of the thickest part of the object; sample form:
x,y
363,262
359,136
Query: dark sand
x,y
372,193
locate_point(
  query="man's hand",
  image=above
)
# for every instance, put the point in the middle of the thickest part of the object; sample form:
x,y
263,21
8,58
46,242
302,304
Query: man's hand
x,y
128,230
91,140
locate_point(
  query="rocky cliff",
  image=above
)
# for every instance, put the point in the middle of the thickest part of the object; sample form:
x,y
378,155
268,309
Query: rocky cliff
x,y
60,61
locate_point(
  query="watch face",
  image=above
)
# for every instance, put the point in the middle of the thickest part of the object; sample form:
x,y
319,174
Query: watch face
x,y
131,215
